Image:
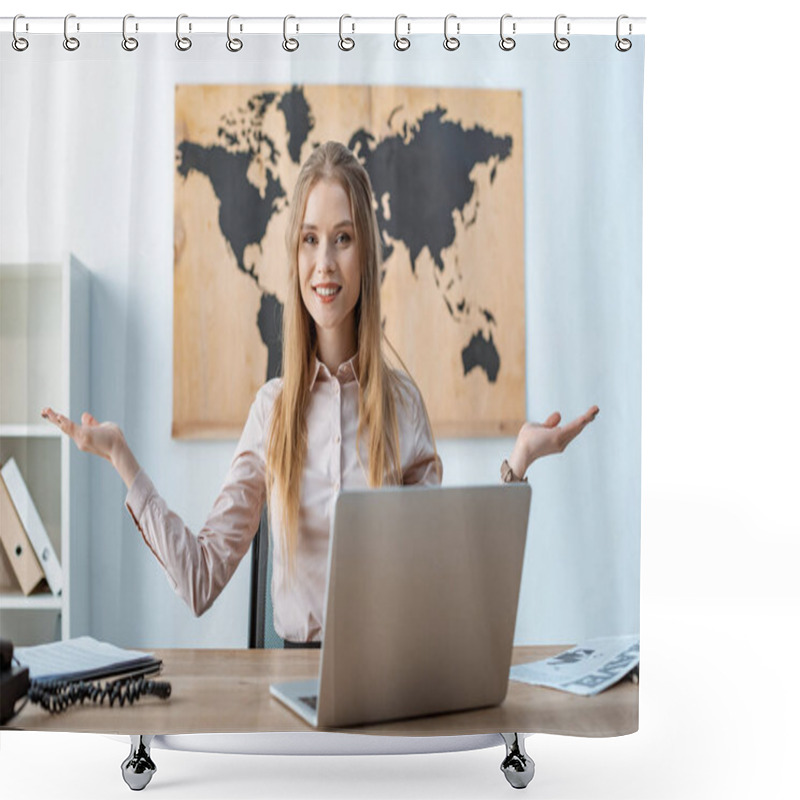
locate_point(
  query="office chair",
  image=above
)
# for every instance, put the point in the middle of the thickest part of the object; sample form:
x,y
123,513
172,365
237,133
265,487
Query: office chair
x,y
261,631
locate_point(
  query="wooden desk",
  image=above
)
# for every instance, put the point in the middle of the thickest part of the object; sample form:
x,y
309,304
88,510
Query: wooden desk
x,y
218,691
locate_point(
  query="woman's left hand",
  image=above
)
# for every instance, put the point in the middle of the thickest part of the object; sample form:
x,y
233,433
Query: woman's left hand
x,y
536,440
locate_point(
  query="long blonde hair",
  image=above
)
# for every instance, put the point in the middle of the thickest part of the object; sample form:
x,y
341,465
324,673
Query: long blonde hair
x,y
378,382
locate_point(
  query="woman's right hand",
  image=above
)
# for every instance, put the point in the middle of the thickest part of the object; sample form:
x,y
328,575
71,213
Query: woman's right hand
x,y
101,438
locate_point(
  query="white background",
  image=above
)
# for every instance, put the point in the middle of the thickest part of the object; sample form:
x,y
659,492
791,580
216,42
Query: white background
x,y
720,531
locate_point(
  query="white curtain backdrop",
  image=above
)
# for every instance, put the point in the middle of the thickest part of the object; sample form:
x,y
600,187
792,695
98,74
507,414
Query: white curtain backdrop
x,y
88,168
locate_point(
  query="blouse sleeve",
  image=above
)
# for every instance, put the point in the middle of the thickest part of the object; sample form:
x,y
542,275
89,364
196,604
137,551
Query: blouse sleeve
x,y
199,567
425,466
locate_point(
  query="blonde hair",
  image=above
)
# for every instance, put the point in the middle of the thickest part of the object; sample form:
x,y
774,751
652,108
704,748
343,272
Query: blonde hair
x,y
378,382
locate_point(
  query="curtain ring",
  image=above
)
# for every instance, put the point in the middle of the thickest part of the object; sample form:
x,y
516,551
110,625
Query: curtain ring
x,y
128,42
507,42
234,45
289,45
561,43
18,42
451,42
70,42
183,43
345,43
623,45
401,43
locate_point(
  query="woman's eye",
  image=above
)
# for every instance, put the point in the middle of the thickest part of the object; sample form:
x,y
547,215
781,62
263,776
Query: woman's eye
x,y
310,239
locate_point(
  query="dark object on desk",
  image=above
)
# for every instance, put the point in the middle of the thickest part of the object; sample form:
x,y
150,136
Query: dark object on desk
x,y
14,682
58,695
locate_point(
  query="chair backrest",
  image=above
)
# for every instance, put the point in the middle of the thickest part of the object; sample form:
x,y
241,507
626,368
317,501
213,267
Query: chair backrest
x,y
261,631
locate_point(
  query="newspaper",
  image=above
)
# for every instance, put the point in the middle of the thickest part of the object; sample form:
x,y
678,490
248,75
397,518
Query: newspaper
x,y
586,669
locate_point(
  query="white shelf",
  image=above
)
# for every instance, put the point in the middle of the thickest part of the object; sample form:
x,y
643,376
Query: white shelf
x,y
44,360
34,431
40,601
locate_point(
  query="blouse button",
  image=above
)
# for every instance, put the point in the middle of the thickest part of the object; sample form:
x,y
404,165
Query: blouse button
x,y
337,438
336,486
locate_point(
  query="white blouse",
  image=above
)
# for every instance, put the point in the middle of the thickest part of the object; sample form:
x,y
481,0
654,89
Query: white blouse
x,y
199,567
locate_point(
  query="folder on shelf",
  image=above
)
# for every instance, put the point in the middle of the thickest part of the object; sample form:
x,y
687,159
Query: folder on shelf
x,y
37,538
17,547
8,578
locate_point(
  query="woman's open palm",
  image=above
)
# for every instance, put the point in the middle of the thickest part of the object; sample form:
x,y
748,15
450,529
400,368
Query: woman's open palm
x,y
543,439
91,436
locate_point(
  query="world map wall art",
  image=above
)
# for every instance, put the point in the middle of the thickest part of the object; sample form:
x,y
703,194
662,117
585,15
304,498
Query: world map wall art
x,y
446,166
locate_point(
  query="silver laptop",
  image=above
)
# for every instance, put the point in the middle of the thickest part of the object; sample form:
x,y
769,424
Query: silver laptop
x,y
423,585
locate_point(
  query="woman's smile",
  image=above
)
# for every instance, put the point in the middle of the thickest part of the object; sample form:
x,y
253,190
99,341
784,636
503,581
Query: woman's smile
x,y
327,292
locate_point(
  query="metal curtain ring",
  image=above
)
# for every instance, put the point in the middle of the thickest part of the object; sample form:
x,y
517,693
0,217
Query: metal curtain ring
x,y
128,42
18,42
623,45
233,44
345,43
506,42
183,43
401,43
561,43
451,42
289,45
70,42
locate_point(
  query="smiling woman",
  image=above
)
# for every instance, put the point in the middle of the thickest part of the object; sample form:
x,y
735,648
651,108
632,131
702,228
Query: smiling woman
x,y
332,339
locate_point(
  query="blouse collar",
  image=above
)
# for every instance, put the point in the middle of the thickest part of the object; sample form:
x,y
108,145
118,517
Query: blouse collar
x,y
348,371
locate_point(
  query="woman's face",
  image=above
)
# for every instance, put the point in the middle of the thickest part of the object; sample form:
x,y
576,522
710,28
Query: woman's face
x,y
328,260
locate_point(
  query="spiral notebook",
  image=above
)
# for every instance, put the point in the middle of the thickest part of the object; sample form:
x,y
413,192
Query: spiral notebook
x,y
83,658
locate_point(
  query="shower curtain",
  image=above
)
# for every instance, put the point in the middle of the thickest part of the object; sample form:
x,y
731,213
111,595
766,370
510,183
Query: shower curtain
x,y
144,198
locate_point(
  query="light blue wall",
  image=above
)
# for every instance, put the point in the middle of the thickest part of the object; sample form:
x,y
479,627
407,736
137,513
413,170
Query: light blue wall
x,y
92,169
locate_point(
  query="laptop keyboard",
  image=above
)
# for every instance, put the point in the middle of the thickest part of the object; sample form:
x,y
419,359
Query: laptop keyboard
x,y
311,701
